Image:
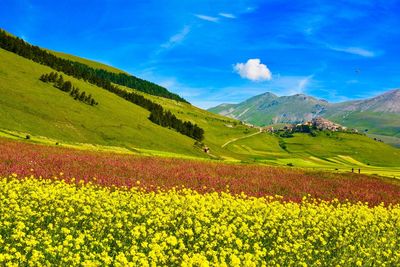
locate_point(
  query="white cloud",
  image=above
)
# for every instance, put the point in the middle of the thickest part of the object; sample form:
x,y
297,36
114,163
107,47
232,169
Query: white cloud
x,y
207,18
355,51
227,15
253,70
177,38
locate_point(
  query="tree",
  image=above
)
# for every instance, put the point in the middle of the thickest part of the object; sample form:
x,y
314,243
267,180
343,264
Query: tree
x,y
60,82
67,86
82,96
44,78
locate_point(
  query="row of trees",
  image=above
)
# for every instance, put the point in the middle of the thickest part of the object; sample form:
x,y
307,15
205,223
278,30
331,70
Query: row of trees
x,y
159,116
105,80
79,70
66,86
167,119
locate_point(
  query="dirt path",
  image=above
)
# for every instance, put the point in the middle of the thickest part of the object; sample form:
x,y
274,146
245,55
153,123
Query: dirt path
x,y
239,138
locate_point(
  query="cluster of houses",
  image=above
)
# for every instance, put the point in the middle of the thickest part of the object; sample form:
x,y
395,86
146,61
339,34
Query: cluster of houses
x,y
324,124
316,123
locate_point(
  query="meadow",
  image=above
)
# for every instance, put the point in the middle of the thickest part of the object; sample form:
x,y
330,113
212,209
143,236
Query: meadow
x,y
153,173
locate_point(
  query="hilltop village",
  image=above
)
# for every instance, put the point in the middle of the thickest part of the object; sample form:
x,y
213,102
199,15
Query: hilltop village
x,y
318,123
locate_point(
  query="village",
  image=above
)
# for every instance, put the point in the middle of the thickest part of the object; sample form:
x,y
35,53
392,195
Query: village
x,y
317,123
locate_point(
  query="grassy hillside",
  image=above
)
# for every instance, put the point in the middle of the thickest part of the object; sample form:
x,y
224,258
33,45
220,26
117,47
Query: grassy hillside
x,y
394,141
29,105
218,129
328,151
374,122
39,109
88,62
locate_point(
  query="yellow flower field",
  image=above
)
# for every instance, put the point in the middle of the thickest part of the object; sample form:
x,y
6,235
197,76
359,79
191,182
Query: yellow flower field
x,y
52,223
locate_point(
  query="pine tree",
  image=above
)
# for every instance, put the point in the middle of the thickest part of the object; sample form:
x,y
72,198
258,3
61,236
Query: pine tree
x,y
82,96
67,86
60,82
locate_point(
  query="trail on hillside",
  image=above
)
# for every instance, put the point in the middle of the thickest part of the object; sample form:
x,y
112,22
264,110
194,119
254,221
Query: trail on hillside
x,y
239,138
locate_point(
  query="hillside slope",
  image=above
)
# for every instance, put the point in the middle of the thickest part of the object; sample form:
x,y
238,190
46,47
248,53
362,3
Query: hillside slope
x,y
88,62
29,105
378,115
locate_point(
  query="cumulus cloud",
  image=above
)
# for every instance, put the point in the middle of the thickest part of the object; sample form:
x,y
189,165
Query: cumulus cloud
x,y
207,18
253,70
227,15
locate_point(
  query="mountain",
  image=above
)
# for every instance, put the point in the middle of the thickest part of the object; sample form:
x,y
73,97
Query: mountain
x,y
378,115
388,102
268,108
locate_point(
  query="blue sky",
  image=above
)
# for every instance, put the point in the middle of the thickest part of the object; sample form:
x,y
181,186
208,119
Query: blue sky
x,y
217,51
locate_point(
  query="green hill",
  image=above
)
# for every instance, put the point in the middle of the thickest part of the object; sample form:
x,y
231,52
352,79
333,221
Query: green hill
x,y
88,62
29,106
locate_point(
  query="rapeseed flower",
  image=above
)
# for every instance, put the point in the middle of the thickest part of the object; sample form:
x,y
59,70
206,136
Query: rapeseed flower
x,y
45,223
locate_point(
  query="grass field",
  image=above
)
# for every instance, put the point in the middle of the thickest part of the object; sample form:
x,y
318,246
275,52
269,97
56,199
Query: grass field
x,y
275,156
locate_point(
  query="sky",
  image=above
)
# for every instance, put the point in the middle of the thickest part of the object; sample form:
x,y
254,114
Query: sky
x,y
225,51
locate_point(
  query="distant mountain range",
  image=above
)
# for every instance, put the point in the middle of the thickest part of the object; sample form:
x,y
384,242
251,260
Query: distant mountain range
x,y
378,115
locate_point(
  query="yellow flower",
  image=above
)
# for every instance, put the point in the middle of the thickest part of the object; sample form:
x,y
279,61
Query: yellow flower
x,y
86,225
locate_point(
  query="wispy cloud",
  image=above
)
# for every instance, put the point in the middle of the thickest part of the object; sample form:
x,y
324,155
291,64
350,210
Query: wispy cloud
x,y
227,15
207,18
291,85
302,85
176,38
355,51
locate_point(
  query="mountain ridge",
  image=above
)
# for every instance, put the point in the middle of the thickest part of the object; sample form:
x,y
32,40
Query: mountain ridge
x,y
267,108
